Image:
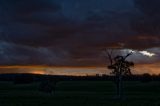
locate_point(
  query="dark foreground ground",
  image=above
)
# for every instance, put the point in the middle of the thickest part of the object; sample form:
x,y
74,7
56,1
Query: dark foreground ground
x,y
80,93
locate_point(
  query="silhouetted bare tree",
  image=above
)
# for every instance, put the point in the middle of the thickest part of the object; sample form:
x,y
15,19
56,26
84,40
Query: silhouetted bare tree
x,y
120,67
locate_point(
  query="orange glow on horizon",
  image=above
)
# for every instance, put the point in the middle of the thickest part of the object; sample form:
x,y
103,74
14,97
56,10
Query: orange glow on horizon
x,y
76,70
43,66
54,70
37,72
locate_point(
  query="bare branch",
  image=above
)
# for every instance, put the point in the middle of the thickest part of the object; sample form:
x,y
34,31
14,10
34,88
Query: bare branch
x,y
128,55
109,55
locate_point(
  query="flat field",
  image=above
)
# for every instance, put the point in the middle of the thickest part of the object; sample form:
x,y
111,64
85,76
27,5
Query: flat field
x,y
80,93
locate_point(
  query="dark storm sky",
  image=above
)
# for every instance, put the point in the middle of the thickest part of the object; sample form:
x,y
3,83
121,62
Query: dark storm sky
x,y
76,32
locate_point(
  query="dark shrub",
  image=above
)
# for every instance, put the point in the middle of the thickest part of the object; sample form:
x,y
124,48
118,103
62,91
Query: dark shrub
x,y
47,86
146,77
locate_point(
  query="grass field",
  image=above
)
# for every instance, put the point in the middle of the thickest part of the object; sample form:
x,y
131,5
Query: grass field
x,y
80,93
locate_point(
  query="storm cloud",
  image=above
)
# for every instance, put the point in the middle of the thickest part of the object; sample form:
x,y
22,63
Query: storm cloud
x,y
147,23
76,32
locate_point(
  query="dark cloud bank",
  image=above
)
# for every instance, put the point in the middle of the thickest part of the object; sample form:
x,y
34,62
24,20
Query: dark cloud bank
x,y
75,32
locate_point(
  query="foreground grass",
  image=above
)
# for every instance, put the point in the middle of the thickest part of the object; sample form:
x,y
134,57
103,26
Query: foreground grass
x,y
80,93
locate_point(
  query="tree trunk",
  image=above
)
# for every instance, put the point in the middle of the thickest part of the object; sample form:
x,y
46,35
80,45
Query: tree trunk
x,y
119,87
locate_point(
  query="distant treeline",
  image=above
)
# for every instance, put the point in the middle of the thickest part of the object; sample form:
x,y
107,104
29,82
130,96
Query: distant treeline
x,y
29,78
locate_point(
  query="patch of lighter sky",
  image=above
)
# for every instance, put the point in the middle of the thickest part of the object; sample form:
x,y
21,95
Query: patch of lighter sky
x,y
146,53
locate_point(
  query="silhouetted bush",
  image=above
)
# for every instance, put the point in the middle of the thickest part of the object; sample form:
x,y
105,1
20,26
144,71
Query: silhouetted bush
x,y
48,86
146,77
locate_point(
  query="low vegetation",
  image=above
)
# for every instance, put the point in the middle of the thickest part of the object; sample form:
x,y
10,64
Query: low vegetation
x,y
80,93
